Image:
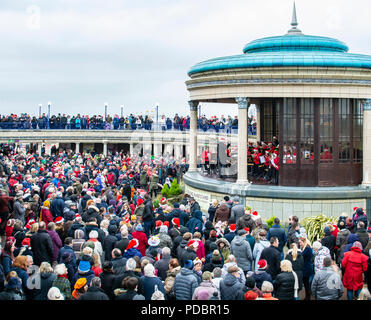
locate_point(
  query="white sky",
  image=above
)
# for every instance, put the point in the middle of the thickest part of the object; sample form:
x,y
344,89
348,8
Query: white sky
x,y
81,54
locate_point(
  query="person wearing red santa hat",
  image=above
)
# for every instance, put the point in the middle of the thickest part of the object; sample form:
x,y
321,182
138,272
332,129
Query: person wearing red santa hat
x,y
141,236
189,253
232,232
132,249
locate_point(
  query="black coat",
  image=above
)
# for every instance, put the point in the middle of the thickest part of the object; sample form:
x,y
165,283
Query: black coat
x,y
297,267
148,214
284,286
188,254
273,257
108,246
42,247
108,282
94,293
122,244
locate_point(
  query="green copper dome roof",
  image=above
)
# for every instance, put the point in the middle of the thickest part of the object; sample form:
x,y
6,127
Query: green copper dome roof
x,y
293,49
299,42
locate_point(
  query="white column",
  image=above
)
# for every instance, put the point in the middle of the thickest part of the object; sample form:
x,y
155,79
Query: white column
x,y
258,132
193,105
366,143
39,146
77,149
157,149
131,150
242,139
169,149
178,151
105,149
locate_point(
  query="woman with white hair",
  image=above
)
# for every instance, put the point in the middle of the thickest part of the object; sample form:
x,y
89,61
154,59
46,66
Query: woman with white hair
x,y
149,281
46,277
55,294
62,282
267,290
319,252
98,249
286,283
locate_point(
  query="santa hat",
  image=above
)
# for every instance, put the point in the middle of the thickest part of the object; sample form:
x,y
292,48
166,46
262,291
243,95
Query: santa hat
x,y
139,201
232,227
166,223
262,263
158,223
254,213
91,181
132,244
247,229
192,243
176,221
58,220
30,223
163,200
26,242
126,219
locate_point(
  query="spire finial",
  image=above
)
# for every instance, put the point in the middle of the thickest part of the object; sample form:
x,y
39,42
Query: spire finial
x,y
294,23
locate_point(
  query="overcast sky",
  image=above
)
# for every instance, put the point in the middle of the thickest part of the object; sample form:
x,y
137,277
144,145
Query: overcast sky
x,y
81,54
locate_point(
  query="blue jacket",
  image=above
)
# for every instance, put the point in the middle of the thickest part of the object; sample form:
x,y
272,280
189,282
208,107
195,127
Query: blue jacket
x,y
185,284
230,287
195,224
279,233
149,284
57,206
308,268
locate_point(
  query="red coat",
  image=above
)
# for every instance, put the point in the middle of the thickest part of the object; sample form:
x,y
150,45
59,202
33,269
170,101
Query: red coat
x,y
354,264
46,215
143,241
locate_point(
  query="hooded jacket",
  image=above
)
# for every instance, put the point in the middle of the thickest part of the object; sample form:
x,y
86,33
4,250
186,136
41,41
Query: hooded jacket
x,y
230,287
222,213
246,221
185,284
195,223
241,249
320,288
258,249
355,264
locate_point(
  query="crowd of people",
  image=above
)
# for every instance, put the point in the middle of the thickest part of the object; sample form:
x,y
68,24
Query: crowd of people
x,y
132,122
77,227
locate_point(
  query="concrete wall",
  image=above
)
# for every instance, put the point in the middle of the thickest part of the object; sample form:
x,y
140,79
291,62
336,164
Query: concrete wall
x,y
283,208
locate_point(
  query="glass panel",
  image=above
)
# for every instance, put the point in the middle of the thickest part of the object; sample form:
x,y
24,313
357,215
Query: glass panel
x,y
307,153
344,122
357,131
307,131
289,153
326,152
289,131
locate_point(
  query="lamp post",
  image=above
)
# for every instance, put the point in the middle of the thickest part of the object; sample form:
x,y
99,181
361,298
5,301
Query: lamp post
x,y
157,115
122,111
40,105
105,114
49,104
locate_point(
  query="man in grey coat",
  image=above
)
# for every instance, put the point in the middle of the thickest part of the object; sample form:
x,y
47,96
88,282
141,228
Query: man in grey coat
x,y
185,282
327,284
237,210
241,249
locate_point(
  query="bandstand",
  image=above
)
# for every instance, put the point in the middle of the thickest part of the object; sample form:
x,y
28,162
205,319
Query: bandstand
x,y
313,95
